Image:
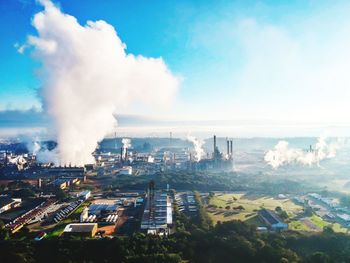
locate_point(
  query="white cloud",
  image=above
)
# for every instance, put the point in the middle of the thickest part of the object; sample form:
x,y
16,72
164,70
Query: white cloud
x,y
88,76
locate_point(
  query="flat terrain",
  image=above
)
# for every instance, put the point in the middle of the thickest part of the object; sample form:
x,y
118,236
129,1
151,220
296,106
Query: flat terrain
x,y
243,206
314,223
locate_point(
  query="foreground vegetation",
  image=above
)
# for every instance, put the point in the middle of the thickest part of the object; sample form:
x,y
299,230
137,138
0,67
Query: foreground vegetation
x,y
226,242
196,240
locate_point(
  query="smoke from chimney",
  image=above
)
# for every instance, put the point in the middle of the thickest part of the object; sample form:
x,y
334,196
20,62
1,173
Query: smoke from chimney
x,y
198,147
87,77
282,154
126,144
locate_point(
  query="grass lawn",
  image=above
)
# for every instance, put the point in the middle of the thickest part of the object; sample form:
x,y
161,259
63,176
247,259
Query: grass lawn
x,y
322,223
58,229
250,203
318,221
298,226
338,228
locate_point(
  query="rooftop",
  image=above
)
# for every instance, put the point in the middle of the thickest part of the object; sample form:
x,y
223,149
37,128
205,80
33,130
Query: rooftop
x,y
270,216
5,200
80,228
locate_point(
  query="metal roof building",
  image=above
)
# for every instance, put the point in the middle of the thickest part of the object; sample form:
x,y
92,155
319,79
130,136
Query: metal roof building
x,y
157,214
272,219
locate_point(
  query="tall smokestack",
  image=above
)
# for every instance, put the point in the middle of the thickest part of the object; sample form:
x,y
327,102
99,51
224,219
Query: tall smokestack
x,y
214,144
121,154
228,147
115,142
231,147
126,154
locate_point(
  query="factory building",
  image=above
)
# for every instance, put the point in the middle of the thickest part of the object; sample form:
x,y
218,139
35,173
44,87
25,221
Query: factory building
x,y
157,217
65,182
102,208
64,171
80,229
84,195
218,161
272,220
7,203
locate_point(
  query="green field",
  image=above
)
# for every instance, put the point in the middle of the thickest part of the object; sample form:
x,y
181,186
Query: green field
x,y
318,222
298,226
58,229
251,204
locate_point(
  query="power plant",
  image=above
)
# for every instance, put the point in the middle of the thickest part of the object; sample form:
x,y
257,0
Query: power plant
x,y
217,161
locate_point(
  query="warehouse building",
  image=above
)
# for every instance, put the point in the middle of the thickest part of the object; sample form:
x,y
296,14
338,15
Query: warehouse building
x,y
157,217
272,220
82,230
7,203
84,195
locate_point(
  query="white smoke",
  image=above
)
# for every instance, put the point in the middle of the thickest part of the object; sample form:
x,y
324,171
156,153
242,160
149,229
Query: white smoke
x,y
126,144
198,147
47,156
283,154
32,144
42,154
88,77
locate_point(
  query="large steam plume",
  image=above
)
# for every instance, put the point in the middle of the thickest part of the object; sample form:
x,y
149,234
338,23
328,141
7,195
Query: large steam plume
x,y
282,154
87,77
198,147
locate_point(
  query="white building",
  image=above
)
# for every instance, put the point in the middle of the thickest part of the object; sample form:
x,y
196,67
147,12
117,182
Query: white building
x,y
84,195
6,203
157,216
126,170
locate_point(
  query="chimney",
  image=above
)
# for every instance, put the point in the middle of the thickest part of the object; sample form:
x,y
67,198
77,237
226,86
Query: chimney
x,y
121,154
39,182
231,148
214,144
228,147
310,148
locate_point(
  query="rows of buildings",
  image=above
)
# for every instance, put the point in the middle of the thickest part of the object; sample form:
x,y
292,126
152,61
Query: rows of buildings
x,y
157,217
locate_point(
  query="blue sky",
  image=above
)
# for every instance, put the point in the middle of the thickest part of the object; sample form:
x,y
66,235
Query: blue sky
x,y
274,60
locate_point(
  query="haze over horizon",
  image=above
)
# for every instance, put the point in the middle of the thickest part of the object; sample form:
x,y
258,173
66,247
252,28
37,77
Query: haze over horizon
x,y
248,68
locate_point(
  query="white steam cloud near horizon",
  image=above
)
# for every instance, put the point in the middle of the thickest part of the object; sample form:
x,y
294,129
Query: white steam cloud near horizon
x,y
283,154
87,77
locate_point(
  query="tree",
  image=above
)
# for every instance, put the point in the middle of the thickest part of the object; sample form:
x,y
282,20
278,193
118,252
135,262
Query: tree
x,y
4,234
319,257
278,209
